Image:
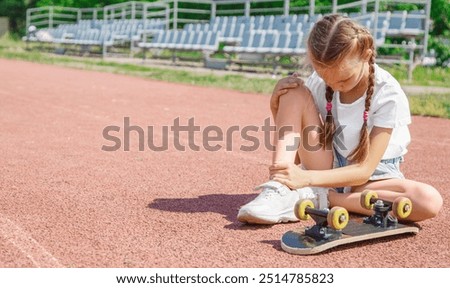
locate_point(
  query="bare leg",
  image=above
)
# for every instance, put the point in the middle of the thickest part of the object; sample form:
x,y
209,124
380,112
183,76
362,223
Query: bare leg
x,y
298,127
297,119
426,200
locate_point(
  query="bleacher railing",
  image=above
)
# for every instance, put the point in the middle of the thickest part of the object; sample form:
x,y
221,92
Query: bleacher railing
x,y
49,17
52,16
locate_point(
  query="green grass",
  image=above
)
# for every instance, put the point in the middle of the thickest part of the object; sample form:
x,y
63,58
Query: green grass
x,y
437,105
422,76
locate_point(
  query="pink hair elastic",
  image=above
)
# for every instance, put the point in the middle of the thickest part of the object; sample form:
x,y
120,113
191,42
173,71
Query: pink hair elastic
x,y
365,115
329,106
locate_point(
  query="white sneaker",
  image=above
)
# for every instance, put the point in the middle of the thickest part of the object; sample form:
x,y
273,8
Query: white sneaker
x,y
275,204
318,195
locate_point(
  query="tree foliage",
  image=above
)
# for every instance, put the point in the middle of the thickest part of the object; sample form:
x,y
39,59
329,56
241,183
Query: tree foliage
x,y
440,13
15,10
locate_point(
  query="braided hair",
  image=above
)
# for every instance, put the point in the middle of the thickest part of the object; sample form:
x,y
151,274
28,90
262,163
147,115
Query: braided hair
x,y
329,42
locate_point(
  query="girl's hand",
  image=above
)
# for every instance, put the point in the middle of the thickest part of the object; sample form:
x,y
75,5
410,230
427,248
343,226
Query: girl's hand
x,y
290,175
282,88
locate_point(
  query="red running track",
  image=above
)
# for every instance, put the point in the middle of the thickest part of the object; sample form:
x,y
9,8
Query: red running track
x,y
66,203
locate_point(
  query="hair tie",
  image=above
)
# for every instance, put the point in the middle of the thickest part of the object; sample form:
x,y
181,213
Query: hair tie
x,y
329,106
365,115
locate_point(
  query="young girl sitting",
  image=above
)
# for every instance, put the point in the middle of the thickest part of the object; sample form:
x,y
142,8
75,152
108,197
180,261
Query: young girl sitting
x,y
351,117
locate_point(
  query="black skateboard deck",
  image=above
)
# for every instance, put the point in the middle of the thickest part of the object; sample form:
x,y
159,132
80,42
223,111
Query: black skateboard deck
x,y
296,242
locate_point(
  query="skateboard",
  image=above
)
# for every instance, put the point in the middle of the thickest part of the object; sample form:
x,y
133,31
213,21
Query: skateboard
x,y
333,227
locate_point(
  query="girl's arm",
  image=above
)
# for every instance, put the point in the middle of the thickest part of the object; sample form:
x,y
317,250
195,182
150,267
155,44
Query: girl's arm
x,y
352,175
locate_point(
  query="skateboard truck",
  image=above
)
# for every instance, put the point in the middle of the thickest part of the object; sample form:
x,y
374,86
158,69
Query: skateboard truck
x,y
328,222
321,231
381,216
401,208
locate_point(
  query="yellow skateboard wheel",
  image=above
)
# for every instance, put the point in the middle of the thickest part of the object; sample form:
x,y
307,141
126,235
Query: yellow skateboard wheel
x,y
300,209
402,207
337,218
366,196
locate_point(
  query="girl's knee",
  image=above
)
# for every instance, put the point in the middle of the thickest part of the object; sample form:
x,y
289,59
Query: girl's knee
x,y
299,96
430,199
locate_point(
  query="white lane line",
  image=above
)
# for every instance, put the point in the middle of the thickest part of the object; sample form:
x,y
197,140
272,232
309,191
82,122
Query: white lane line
x,y
15,235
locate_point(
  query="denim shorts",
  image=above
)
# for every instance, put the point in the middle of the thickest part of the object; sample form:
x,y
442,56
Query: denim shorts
x,y
386,169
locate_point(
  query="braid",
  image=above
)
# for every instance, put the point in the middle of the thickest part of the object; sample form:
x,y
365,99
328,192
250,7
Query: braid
x,y
327,136
361,152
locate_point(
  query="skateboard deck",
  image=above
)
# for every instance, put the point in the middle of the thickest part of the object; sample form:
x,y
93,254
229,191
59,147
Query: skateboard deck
x,y
297,242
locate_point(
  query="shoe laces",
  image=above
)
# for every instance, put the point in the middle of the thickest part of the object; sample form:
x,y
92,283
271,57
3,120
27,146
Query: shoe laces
x,y
269,191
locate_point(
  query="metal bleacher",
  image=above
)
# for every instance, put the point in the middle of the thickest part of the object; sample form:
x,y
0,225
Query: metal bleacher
x,y
272,34
264,35
255,37
98,32
275,34
206,40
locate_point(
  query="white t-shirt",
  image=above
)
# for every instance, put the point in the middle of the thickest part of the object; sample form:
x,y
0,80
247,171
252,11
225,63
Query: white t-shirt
x,y
389,108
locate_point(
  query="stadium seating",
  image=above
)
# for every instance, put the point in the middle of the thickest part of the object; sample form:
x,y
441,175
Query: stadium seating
x,y
415,23
396,22
100,32
266,35
183,40
271,35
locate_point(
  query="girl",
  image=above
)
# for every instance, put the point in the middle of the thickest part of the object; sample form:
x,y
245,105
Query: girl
x,y
359,145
